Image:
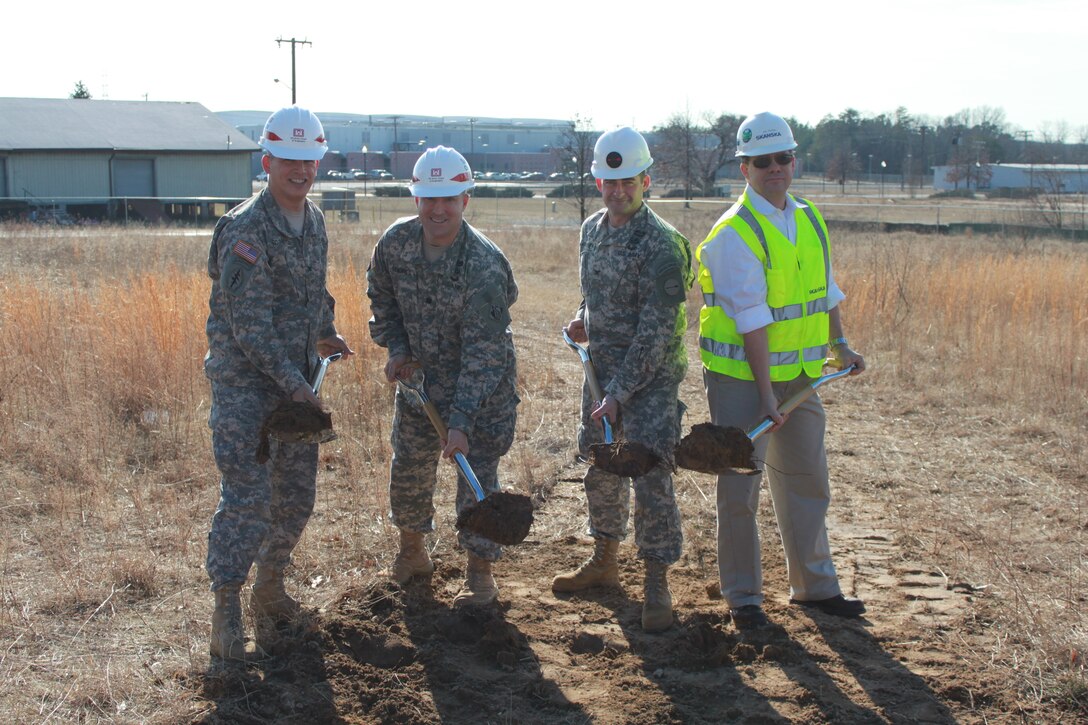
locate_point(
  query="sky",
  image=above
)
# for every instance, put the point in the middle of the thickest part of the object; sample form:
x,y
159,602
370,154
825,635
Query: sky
x,y
632,63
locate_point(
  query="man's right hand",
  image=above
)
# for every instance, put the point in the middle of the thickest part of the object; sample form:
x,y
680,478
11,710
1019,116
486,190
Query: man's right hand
x,y
393,367
305,394
576,330
768,408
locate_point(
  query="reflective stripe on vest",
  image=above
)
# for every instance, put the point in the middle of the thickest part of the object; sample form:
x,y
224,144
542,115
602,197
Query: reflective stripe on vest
x,y
790,357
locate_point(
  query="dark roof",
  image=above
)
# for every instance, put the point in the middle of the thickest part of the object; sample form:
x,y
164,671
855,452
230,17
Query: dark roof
x,y
36,124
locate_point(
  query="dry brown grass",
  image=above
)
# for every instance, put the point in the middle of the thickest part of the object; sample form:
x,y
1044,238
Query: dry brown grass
x,y
109,482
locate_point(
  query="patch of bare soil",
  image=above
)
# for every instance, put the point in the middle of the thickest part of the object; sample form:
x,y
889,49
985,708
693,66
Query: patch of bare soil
x,y
383,654
378,653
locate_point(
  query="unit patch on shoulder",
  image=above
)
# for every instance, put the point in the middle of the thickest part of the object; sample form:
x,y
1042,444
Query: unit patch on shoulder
x,y
669,282
239,268
490,309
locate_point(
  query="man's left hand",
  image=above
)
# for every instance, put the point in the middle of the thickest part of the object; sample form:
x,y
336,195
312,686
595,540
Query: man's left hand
x,y
334,344
844,357
457,441
608,407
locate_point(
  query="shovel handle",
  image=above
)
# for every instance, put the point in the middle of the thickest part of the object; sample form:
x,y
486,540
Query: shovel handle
x,y
591,381
443,433
796,399
319,374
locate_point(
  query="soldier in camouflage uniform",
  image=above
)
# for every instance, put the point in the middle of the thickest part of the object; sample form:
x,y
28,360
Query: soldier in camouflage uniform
x,y
635,272
440,294
270,317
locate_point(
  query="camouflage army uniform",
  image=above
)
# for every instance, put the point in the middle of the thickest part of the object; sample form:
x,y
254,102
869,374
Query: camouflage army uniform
x,y
452,315
634,285
269,307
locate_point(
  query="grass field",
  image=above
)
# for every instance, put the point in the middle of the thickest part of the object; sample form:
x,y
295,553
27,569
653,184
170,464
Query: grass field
x,y
109,483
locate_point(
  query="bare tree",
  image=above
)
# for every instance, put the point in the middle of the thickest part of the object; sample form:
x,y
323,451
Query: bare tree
x,y
693,153
576,147
674,150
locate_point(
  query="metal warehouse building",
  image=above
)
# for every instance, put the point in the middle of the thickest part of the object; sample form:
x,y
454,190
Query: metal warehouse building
x,y
1044,178
119,160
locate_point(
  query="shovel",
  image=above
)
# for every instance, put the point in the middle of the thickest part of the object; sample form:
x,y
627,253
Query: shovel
x,y
620,458
294,421
503,517
710,448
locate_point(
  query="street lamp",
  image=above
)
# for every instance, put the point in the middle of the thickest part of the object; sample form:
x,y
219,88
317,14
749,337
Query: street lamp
x,y
883,165
277,80
364,170
870,174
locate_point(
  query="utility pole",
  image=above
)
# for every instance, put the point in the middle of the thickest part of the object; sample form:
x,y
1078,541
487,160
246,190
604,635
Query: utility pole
x,y
1031,157
293,42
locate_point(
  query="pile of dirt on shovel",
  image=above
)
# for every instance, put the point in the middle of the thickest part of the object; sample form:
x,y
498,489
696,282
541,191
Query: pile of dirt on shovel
x,y
710,448
294,422
503,517
623,458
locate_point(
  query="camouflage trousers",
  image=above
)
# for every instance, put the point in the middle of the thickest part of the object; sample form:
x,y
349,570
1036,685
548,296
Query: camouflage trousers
x,y
652,418
416,454
262,508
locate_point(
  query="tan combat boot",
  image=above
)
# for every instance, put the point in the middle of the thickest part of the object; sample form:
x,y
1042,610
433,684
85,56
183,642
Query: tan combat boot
x,y
269,598
657,607
599,570
479,587
412,559
228,635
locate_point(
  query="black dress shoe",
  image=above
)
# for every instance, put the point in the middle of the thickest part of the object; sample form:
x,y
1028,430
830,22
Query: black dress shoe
x,y
749,617
837,605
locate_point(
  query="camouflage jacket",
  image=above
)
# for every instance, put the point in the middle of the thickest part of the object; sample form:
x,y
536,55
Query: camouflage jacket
x,y
452,315
269,305
634,287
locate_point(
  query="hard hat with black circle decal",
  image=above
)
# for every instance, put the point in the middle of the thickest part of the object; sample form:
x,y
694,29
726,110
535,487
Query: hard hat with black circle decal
x,y
762,134
621,153
294,133
441,171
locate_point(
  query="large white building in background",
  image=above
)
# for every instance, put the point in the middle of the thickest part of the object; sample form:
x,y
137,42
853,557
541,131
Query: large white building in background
x,y
1045,178
394,142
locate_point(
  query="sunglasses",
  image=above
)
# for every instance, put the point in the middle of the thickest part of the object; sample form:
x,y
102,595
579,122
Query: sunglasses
x,y
762,162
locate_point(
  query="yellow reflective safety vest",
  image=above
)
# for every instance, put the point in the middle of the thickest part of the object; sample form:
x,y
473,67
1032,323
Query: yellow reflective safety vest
x,y
797,282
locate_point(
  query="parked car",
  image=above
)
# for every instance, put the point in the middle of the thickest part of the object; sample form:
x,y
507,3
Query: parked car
x,y
532,176
263,176
379,175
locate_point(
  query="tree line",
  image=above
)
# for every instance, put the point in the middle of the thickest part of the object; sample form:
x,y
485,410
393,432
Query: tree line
x,y
696,151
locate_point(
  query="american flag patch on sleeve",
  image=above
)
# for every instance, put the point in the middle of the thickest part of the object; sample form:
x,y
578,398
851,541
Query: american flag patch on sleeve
x,y
246,251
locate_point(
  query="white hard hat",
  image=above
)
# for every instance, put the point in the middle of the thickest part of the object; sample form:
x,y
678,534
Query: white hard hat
x,y
294,133
620,154
764,133
441,171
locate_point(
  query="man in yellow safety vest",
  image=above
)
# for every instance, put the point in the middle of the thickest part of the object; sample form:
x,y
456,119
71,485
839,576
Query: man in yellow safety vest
x,y
769,319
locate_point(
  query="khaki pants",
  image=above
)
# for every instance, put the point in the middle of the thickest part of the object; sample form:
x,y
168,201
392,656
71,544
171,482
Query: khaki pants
x,y
796,465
